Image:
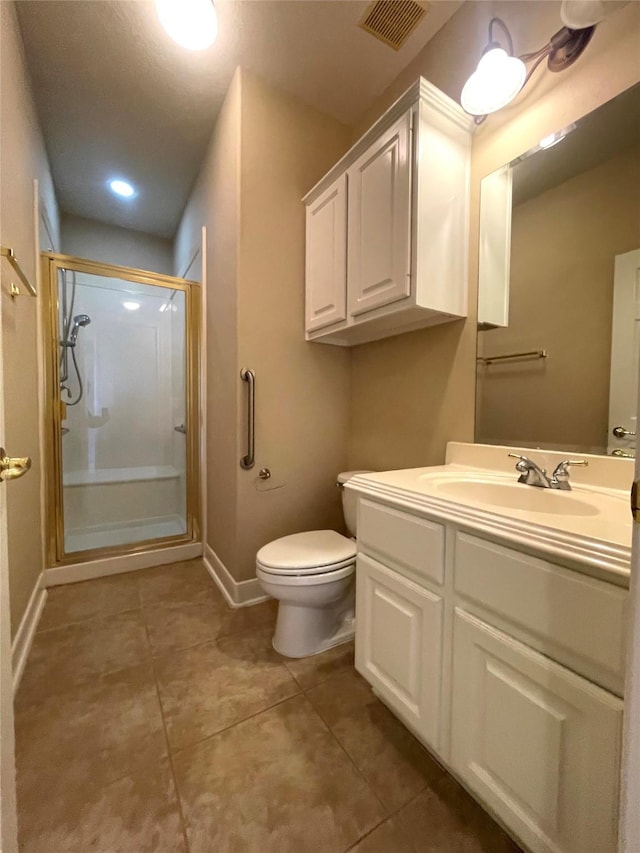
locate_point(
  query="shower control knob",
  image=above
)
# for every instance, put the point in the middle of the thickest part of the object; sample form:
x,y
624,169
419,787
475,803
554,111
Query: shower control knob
x,y
264,473
12,467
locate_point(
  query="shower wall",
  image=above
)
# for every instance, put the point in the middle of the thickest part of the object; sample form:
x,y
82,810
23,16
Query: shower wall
x,y
124,462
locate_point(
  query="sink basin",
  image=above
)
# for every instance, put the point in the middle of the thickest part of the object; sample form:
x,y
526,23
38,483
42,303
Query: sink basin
x,y
517,496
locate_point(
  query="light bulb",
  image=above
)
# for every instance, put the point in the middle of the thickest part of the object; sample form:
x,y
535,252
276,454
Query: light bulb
x,y
122,188
495,83
191,23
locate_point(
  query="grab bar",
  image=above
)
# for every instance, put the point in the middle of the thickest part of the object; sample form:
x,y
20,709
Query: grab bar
x,y
536,353
247,375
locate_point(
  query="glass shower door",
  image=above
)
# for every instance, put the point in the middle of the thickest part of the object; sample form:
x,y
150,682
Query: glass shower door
x,y
124,382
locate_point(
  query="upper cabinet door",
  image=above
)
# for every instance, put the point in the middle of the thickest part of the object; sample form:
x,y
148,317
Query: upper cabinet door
x,y
326,262
379,218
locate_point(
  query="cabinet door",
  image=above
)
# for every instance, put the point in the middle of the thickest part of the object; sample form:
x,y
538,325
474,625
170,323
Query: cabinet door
x,y
326,257
537,743
380,221
399,644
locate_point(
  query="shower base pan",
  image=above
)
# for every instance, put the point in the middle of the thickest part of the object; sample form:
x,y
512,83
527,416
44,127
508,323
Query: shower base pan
x,y
123,534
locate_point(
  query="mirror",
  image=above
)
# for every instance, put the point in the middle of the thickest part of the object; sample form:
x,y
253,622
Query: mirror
x,y
559,289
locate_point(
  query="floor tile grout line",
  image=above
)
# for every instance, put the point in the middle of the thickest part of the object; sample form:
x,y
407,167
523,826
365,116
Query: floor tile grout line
x,y
96,617
371,831
183,822
394,810
358,771
180,749
166,652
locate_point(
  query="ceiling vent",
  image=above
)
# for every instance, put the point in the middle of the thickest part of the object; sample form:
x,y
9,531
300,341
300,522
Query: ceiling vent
x,y
393,21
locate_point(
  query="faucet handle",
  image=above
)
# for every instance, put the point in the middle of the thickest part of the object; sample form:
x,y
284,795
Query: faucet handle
x,y
524,464
560,476
562,466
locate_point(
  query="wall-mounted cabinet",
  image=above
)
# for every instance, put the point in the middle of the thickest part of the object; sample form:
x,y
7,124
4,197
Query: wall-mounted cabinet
x,y
387,227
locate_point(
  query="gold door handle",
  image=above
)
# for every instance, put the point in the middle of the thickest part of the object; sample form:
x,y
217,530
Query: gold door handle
x,y
12,467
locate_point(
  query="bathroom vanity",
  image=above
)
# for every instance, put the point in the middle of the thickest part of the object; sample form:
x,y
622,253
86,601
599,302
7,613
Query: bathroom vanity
x,y
491,621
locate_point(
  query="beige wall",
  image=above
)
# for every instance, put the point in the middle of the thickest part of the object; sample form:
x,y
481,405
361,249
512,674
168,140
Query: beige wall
x,y
22,158
303,388
215,203
268,149
563,249
413,393
110,244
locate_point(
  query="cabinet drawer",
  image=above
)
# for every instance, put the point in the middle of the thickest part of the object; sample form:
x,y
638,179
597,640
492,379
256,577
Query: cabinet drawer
x,y
413,545
575,619
537,743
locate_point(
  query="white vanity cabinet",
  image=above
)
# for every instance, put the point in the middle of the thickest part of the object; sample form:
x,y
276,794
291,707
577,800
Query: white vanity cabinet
x,y
387,227
399,648
538,744
509,667
400,606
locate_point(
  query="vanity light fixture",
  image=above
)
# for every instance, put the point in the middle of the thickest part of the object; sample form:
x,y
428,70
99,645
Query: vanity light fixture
x,y
193,24
131,306
500,75
122,188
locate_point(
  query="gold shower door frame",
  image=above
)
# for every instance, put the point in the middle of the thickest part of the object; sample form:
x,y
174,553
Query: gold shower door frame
x,y
52,263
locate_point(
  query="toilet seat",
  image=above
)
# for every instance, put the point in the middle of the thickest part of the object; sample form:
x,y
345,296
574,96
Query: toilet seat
x,y
315,552
330,575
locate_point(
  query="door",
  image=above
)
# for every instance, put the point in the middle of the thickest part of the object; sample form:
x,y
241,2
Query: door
x,y
326,258
379,221
630,814
539,744
625,352
8,819
125,443
399,645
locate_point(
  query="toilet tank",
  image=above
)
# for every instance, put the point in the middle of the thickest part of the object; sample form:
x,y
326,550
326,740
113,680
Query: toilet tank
x,y
349,501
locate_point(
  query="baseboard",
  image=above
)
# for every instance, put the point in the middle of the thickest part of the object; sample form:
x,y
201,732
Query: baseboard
x,y
23,639
118,565
236,593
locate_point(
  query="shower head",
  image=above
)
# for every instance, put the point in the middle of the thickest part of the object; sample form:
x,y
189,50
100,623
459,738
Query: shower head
x,y
78,320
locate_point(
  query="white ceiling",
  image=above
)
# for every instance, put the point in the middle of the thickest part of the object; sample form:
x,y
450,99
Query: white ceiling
x,y
117,98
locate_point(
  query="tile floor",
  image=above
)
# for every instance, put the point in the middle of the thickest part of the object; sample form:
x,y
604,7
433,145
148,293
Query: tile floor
x,y
152,718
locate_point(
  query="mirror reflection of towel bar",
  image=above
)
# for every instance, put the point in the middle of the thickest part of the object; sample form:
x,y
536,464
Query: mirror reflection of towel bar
x,y
532,354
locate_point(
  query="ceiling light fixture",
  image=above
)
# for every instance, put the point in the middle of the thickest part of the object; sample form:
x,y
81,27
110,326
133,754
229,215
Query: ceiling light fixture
x,y
122,188
500,75
193,24
131,306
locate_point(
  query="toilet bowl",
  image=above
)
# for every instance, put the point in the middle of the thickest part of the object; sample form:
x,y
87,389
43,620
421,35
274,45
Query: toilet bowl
x,y
312,575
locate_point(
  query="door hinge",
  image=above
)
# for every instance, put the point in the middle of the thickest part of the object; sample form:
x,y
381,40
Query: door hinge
x,y
635,505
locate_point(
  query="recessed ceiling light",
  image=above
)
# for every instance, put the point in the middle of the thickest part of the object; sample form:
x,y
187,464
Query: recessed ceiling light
x,y
132,306
191,23
122,188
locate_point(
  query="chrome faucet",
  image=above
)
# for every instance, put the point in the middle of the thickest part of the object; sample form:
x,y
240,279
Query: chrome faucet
x,y
532,474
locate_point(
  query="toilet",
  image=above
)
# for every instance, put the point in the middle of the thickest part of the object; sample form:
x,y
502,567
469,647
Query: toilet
x,y
312,575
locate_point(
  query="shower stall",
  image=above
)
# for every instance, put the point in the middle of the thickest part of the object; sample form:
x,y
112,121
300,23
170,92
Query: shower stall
x,y
122,399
